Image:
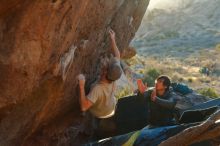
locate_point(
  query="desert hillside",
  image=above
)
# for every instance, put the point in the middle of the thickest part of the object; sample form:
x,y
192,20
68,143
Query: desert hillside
x,y
181,38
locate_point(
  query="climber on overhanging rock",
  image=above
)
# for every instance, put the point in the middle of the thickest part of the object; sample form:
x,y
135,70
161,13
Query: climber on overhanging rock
x,y
161,102
101,102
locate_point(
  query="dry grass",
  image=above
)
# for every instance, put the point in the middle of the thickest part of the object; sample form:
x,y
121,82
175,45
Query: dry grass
x,y
184,70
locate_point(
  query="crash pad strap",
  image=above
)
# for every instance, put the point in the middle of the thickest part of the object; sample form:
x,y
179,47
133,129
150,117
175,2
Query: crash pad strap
x,y
132,139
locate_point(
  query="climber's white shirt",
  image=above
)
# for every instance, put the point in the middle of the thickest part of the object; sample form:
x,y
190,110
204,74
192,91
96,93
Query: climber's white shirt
x,y
103,99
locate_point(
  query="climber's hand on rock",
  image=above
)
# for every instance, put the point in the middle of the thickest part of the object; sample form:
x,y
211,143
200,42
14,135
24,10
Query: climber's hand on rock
x,y
81,79
112,34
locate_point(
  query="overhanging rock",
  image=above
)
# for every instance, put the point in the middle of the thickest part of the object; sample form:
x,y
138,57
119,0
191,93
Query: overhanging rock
x,y
44,45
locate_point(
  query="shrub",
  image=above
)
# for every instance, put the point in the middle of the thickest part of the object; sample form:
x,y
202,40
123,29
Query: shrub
x,y
217,47
181,79
190,80
124,92
150,76
210,92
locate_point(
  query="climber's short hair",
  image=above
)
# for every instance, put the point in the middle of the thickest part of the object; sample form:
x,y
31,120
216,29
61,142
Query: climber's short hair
x,y
111,66
114,69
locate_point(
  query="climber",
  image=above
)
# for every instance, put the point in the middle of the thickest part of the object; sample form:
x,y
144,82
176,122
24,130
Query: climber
x,y
161,102
100,101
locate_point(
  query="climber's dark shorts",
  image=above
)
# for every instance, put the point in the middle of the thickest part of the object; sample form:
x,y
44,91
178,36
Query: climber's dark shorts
x,y
90,124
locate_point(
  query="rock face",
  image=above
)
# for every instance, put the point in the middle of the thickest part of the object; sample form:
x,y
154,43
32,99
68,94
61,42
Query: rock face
x,y
128,53
44,45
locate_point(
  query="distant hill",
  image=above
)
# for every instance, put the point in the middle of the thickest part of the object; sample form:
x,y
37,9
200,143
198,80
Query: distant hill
x,y
187,27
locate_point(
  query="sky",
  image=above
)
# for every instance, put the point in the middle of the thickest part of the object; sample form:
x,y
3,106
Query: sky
x,y
163,4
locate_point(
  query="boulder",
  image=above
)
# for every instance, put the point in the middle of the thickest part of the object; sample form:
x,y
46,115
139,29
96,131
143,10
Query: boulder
x,y
129,53
44,46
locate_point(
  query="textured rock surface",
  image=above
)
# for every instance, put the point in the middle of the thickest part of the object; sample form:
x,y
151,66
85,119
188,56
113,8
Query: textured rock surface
x,y
128,53
44,45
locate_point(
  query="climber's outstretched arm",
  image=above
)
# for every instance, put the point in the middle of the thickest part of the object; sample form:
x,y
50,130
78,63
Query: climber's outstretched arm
x,y
115,49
